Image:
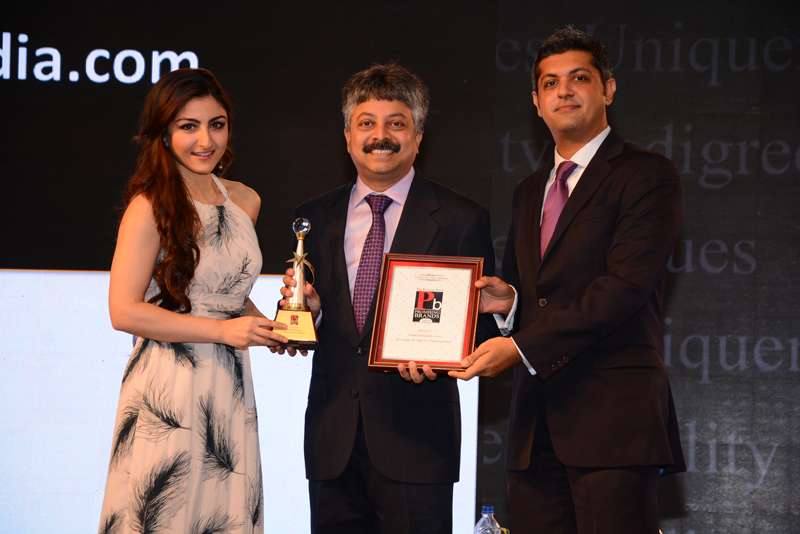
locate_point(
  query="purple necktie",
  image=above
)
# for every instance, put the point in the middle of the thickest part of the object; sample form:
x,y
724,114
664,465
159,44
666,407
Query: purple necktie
x,y
369,267
554,203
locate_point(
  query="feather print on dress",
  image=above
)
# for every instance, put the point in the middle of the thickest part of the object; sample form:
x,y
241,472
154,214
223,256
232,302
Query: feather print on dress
x,y
217,523
219,458
158,418
230,282
255,501
111,524
182,352
232,362
136,358
159,494
126,432
221,229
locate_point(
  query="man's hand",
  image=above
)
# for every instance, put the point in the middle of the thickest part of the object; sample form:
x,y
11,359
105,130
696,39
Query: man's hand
x,y
312,301
410,372
311,296
496,295
491,358
291,351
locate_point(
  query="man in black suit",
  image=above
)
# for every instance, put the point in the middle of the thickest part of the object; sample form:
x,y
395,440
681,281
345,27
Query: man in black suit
x,y
382,449
592,420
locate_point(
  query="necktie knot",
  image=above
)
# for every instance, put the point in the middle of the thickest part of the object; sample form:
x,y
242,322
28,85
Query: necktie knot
x,y
378,203
565,168
554,203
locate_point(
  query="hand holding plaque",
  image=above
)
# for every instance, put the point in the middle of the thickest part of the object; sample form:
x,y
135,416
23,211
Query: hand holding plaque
x,y
295,314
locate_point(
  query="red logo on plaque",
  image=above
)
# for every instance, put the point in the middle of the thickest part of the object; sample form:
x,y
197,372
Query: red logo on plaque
x,y
428,306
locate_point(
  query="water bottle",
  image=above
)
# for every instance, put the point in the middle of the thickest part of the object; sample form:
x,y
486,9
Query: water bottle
x,y
487,524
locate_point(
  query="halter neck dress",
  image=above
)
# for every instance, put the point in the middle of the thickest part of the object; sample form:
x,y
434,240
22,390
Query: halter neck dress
x,y
185,455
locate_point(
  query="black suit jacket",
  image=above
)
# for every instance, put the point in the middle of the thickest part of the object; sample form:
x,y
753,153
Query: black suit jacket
x,y
591,313
413,432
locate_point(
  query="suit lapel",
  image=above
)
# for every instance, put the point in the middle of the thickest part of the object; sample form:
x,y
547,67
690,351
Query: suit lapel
x,y
415,230
528,221
591,179
334,238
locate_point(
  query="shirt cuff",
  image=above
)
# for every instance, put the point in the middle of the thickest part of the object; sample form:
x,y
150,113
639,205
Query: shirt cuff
x,y
318,319
506,324
531,370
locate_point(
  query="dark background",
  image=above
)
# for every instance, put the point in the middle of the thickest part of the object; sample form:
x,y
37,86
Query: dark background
x,y
712,86
68,145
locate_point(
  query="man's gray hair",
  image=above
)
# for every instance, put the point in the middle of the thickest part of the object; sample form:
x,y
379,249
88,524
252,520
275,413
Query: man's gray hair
x,y
388,81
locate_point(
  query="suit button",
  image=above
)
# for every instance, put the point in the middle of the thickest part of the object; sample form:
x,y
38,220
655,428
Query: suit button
x,y
354,393
542,302
358,350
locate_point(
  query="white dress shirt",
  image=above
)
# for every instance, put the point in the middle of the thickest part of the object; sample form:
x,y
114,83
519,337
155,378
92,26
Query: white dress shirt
x,y
582,158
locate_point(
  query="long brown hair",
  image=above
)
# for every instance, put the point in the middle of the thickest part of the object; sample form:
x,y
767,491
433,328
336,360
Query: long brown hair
x,y
158,179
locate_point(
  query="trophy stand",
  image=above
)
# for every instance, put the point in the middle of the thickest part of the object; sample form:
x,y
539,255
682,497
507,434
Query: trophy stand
x,y
296,315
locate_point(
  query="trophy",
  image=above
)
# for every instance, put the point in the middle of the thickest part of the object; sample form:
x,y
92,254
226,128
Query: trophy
x,y
296,315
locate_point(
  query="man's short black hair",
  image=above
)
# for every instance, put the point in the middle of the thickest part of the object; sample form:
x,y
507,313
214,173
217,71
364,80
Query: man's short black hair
x,y
570,38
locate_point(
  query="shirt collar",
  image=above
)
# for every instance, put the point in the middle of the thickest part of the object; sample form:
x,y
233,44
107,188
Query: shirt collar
x,y
583,156
398,192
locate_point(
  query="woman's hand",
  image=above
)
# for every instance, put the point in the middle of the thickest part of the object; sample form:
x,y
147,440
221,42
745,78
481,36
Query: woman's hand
x,y
248,331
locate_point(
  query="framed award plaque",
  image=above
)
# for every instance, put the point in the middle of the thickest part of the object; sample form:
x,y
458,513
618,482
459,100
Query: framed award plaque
x,y
426,311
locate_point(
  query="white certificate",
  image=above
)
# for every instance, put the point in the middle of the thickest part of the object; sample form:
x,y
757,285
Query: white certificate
x,y
426,310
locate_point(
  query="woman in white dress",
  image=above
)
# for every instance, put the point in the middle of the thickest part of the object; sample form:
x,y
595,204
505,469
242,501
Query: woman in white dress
x,y
185,454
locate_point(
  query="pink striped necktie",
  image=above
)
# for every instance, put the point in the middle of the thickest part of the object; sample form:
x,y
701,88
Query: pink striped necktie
x,y
369,266
554,203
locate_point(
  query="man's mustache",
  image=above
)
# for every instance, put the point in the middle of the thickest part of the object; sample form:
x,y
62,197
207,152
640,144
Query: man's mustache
x,y
383,144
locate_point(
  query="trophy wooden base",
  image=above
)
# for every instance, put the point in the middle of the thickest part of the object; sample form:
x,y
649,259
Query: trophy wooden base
x,y
300,328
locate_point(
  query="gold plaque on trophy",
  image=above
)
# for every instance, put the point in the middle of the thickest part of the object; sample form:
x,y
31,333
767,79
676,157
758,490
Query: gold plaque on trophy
x,y
296,315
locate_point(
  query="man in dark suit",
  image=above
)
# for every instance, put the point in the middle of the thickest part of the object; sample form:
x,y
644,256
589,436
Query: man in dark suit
x,y
592,420
382,450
